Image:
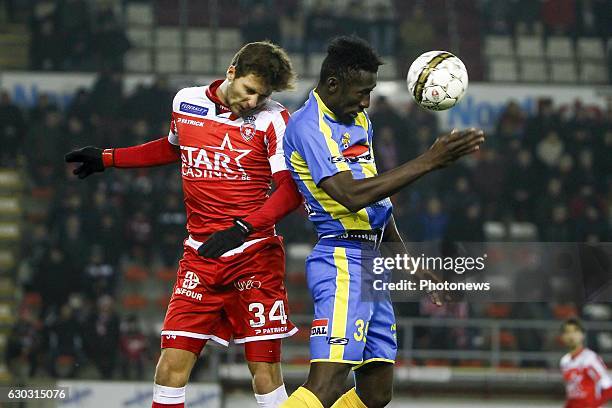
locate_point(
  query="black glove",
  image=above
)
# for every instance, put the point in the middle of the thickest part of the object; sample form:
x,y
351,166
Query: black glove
x,y
91,159
222,241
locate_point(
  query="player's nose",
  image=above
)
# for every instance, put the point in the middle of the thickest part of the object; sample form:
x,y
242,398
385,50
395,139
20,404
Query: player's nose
x,y
252,102
365,102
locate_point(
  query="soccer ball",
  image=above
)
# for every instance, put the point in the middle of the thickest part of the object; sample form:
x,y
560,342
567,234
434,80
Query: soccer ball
x,y
437,80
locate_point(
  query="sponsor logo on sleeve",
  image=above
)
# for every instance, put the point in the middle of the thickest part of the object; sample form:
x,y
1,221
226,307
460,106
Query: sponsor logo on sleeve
x,y
341,341
319,327
194,109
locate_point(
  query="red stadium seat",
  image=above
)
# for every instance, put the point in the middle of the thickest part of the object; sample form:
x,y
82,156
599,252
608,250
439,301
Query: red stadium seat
x,y
565,311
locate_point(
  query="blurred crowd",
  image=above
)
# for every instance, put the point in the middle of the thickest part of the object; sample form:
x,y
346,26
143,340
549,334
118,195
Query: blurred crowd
x,y
551,170
87,35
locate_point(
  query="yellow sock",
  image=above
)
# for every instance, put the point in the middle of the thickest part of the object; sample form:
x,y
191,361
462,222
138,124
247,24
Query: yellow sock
x,y
349,400
302,398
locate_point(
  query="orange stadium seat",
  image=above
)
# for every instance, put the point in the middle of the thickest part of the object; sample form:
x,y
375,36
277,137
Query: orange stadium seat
x,y
166,274
135,273
134,302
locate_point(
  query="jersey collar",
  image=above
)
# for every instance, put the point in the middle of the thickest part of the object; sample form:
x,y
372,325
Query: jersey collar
x,y
326,111
211,93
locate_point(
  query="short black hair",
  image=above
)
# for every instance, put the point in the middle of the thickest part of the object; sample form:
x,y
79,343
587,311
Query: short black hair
x,y
572,322
347,54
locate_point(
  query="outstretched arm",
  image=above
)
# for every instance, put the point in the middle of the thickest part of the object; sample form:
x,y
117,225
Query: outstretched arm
x,y
93,159
357,194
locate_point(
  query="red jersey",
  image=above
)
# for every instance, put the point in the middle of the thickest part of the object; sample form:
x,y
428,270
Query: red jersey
x,y
586,379
227,161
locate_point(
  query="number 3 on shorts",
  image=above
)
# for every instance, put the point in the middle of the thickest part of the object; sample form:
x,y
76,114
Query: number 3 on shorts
x,y
277,312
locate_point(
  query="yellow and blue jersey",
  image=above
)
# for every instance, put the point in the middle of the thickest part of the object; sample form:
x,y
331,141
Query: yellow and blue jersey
x,y
317,146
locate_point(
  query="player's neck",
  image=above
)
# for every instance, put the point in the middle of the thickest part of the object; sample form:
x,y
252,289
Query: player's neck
x,y
325,98
221,92
576,350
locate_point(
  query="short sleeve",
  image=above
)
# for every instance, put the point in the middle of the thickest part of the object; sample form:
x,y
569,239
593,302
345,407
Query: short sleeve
x,y
275,135
173,132
320,152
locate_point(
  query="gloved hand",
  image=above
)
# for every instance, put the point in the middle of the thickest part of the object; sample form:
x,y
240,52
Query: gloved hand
x,y
222,241
91,159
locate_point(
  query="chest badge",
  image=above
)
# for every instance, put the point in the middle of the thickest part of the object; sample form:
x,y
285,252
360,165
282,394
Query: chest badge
x,y
247,129
346,140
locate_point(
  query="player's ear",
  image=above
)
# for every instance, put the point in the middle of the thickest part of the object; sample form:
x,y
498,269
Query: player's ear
x,y
332,84
231,73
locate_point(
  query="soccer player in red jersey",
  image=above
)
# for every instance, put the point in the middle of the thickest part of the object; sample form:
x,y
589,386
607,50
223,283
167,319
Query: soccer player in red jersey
x,y
587,382
228,137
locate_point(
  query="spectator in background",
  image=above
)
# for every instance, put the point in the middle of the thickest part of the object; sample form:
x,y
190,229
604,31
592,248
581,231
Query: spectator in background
x,y
103,337
65,344
109,42
12,129
387,149
134,349
291,26
260,24
559,16
100,276
433,221
550,149
416,35
24,345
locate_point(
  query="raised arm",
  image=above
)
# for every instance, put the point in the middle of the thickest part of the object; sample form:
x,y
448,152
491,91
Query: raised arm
x,y
357,194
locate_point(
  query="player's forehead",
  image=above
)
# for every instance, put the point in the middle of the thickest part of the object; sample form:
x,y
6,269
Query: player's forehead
x,y
256,83
361,80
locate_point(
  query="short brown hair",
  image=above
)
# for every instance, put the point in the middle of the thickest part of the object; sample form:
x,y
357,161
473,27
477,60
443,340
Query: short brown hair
x,y
268,61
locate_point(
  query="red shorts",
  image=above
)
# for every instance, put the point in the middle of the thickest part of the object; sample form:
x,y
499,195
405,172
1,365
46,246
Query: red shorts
x,y
240,295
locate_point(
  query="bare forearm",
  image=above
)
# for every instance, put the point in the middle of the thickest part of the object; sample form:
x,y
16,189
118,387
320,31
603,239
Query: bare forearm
x,y
365,192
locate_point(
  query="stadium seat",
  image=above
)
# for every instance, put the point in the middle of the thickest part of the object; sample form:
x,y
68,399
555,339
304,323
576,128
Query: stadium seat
x,y
529,46
223,60
498,310
590,48
389,69
229,39
502,69
163,301
298,64
498,46
168,61
563,311
167,37
135,273
559,48
140,37
563,72
594,72
314,64
533,70
166,274
134,302
199,38
139,14
138,60
199,63
7,259
523,231
9,231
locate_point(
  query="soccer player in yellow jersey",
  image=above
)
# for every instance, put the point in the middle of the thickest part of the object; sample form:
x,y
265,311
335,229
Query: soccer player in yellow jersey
x,y
328,149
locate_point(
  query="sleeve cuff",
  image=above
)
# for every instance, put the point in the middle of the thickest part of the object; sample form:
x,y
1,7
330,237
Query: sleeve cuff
x,y
108,157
